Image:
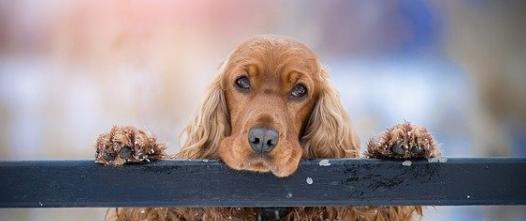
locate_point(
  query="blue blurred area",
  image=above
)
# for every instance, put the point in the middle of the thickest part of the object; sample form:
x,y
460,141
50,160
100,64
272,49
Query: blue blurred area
x,y
425,23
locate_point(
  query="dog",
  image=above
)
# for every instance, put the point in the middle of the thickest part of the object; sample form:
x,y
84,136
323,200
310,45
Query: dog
x,y
270,106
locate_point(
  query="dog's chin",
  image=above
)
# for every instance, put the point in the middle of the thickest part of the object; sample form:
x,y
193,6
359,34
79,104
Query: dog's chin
x,y
262,165
237,157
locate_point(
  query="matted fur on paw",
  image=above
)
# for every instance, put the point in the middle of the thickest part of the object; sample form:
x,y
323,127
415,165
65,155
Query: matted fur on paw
x,y
403,141
127,145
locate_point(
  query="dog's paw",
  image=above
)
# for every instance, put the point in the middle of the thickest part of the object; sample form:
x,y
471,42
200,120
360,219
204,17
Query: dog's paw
x,y
127,145
403,141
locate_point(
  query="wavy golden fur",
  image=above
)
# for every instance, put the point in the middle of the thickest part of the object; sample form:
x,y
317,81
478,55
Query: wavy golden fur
x,y
319,127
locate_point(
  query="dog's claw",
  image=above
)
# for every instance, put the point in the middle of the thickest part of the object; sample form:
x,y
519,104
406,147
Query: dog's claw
x,y
108,156
399,148
417,149
125,152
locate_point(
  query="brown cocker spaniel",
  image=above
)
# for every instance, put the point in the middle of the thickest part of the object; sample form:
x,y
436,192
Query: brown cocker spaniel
x,y
270,106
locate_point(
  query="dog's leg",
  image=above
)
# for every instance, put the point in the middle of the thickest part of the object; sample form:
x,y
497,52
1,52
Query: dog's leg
x,y
127,145
403,141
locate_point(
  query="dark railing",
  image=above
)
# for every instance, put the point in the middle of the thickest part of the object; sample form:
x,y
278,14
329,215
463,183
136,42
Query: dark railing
x,y
202,183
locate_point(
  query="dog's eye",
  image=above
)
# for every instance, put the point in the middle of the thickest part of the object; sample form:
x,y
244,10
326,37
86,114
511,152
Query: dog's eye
x,y
243,83
298,91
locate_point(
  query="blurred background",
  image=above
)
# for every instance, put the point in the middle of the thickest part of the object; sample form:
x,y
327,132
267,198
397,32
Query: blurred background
x,y
69,70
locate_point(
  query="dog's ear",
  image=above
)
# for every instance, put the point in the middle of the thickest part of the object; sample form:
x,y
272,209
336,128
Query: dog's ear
x,y
211,124
328,133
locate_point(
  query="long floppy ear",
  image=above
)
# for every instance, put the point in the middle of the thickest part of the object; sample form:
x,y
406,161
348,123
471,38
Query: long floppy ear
x,y
328,133
210,125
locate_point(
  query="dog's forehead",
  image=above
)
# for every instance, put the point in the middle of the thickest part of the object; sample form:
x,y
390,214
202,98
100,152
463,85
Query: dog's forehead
x,y
274,55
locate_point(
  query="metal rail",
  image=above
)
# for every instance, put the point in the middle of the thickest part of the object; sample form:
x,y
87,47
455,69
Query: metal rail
x,y
208,183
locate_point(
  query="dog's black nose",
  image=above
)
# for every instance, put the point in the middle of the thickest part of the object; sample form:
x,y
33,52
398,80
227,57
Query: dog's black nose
x,y
263,140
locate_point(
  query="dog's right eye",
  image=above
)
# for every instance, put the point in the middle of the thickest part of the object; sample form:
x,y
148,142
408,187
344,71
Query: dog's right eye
x,y
243,83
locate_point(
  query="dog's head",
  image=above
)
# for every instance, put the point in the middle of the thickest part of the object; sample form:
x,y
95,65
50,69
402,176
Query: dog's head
x,y
270,106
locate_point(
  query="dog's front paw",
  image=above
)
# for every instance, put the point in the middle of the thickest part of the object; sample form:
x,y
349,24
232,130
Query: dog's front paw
x,y
403,141
127,144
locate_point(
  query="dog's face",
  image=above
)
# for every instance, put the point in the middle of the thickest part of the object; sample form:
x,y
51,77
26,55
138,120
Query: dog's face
x,y
271,88
270,106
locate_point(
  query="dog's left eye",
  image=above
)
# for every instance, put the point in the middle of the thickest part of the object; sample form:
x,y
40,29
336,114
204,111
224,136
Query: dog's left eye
x,y
243,84
298,91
